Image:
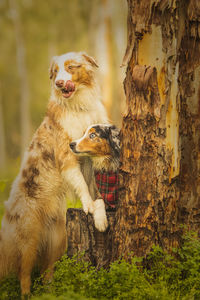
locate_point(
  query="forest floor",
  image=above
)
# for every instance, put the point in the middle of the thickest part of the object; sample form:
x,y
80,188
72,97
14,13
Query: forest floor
x,y
160,276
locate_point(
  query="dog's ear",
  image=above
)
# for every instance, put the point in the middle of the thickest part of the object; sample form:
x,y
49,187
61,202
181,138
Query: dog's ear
x,y
90,59
114,139
52,64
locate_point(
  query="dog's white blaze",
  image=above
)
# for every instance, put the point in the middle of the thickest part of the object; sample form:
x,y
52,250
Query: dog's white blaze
x,y
62,73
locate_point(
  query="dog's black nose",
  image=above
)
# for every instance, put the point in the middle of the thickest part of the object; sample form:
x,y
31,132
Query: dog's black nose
x,y
72,145
59,83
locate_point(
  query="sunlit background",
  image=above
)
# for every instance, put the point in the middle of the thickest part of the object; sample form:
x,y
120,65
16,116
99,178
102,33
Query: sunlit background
x,y
31,32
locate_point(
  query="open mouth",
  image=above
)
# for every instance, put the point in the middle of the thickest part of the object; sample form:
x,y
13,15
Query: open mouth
x,y
68,90
66,93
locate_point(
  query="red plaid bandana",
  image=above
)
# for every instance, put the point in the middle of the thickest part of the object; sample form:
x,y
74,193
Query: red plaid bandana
x,y
108,185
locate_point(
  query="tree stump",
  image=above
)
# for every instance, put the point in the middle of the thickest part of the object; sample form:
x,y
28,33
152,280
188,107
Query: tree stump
x,y
83,237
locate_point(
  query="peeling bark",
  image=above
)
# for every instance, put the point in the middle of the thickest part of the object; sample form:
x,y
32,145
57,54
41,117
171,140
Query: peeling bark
x,y
160,159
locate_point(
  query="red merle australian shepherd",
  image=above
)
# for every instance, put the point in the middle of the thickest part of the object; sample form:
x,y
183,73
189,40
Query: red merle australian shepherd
x,y
33,227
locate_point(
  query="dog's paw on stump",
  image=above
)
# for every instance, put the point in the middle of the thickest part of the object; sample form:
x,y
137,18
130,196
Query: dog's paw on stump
x,y
100,218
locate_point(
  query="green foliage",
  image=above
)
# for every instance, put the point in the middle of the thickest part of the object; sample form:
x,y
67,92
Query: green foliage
x,y
160,276
67,296
9,288
179,273
122,281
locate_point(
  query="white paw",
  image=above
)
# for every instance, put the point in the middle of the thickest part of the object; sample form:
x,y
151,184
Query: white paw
x,y
88,207
100,219
85,208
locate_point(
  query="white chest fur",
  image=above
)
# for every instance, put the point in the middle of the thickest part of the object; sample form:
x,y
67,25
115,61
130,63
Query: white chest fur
x,y
76,123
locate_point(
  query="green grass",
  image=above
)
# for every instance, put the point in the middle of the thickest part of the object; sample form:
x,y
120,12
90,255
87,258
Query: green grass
x,y
163,276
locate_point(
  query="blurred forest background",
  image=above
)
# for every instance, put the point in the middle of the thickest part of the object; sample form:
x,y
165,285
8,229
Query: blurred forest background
x,y
31,32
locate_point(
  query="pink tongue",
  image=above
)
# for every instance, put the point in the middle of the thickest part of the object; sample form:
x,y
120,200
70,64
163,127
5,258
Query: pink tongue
x,y
70,86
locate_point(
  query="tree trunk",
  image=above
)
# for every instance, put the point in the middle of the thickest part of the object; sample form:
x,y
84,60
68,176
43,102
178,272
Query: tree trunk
x,y
160,156
160,159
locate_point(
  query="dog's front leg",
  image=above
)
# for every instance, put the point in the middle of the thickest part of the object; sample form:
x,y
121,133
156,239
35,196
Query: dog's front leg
x,y
99,214
75,178
100,218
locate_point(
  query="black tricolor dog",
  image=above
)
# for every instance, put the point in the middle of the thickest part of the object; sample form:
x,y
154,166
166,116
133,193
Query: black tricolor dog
x,y
101,142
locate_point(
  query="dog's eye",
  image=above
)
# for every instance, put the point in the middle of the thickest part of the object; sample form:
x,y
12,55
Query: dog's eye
x,y
92,135
55,71
74,66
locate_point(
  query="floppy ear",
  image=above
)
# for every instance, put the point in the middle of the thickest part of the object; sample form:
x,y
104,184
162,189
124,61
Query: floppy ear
x,y
90,59
52,64
114,139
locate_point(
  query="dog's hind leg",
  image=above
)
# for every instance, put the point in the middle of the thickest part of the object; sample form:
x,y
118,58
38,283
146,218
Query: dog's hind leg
x,y
56,246
9,255
28,259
